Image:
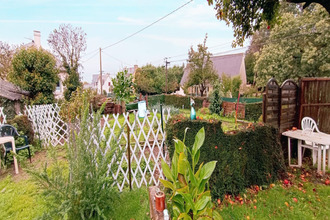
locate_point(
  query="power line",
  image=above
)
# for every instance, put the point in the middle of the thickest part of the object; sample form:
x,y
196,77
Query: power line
x,y
91,57
135,33
120,61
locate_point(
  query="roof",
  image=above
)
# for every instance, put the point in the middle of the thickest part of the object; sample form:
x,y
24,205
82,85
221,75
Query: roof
x,y
10,91
228,64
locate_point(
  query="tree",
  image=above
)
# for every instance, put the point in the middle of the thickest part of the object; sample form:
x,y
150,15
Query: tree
x,y
215,99
297,47
35,70
152,80
6,53
246,16
68,43
123,87
230,86
201,67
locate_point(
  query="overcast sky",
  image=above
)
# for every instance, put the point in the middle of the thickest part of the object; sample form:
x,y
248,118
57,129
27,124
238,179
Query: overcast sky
x,y
108,21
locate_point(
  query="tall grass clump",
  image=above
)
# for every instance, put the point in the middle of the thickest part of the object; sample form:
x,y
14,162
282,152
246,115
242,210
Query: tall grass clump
x,y
80,185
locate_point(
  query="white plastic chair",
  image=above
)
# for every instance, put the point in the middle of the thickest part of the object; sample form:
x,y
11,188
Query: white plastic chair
x,y
309,125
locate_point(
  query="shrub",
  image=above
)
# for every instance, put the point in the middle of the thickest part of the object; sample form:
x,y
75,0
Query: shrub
x,y
253,111
23,126
173,110
215,105
82,188
175,100
203,111
249,157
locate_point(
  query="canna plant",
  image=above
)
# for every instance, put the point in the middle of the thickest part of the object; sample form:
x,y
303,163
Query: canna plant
x,y
190,199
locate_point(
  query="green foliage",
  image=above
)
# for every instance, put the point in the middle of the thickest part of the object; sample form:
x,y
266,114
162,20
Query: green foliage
x,y
35,70
6,55
9,108
200,66
123,86
230,86
23,126
72,109
189,198
249,157
152,80
253,111
215,100
297,47
250,61
175,100
82,187
72,83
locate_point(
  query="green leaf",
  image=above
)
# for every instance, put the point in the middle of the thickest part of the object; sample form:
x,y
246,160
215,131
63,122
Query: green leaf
x,y
207,170
167,184
166,170
179,146
185,132
201,186
175,166
199,140
183,164
196,157
216,215
199,170
179,202
189,201
192,178
201,203
184,216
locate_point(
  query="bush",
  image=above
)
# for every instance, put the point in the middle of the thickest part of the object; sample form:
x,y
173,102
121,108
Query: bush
x,y
175,100
249,157
203,111
23,126
9,108
215,105
82,188
253,111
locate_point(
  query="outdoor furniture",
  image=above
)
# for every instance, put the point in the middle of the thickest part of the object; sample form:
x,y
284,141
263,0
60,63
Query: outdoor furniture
x,y
319,140
10,131
10,139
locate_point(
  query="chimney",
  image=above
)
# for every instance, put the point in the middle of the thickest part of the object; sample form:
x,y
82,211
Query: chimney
x,y
37,41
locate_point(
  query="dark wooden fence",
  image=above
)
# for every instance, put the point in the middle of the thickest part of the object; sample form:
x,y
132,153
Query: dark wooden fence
x,y
284,106
315,101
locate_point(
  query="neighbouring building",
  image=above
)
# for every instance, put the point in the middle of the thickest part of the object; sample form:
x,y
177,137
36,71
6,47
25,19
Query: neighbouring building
x,y
107,86
232,65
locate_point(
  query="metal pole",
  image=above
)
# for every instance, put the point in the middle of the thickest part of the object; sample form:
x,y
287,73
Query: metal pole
x,y
161,119
166,63
129,155
101,71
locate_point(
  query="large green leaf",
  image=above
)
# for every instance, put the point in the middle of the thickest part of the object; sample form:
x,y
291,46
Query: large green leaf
x,y
192,178
179,202
189,201
167,184
199,170
184,216
179,146
201,203
166,170
183,164
175,160
207,170
199,140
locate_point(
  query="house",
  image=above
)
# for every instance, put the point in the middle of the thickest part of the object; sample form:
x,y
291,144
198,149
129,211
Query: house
x,y
106,83
12,95
232,65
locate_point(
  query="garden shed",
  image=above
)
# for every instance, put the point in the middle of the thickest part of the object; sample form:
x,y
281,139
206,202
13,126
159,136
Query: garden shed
x,y
11,98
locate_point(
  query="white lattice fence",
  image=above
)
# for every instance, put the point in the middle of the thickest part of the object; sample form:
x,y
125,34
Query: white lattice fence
x,y
47,123
2,116
146,143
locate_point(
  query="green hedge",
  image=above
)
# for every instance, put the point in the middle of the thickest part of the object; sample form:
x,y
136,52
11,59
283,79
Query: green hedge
x,y
175,100
249,157
253,111
9,108
242,100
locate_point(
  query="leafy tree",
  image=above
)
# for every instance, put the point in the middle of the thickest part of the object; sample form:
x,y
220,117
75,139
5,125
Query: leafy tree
x,y
201,67
215,99
250,60
123,87
152,80
297,47
35,70
6,54
246,16
68,43
230,86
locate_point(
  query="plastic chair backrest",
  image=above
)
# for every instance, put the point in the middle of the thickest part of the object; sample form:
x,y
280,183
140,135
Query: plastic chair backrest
x,y
308,124
8,130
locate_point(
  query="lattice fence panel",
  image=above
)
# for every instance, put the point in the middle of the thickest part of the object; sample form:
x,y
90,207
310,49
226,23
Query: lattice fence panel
x,y
2,116
47,123
146,138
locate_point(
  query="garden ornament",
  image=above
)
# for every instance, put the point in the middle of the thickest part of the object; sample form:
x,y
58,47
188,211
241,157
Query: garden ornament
x,y
192,111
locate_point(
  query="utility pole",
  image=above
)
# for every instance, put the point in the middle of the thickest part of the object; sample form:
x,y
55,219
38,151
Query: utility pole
x,y
101,70
166,63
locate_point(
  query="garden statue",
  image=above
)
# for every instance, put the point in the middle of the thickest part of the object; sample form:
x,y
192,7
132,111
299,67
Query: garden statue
x,y
192,111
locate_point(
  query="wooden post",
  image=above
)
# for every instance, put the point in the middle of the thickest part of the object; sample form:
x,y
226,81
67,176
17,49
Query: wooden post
x,y
129,156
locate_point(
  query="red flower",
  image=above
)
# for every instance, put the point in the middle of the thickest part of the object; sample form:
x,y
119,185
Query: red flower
x,y
268,27
295,199
216,147
286,182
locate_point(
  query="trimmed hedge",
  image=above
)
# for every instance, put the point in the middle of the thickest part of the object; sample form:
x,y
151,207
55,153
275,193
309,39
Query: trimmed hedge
x,y
249,157
175,100
253,111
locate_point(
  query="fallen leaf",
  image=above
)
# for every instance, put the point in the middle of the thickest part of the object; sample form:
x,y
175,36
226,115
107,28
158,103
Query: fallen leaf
x,y
295,199
287,204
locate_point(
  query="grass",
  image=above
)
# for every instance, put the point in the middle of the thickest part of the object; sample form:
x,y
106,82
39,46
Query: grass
x,y
303,195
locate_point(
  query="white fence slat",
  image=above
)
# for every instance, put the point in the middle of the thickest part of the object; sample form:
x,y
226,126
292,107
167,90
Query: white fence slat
x,y
2,116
